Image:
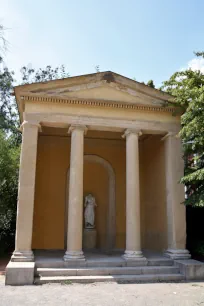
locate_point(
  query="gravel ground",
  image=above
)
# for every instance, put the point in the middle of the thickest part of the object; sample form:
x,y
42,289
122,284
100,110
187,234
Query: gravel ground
x,y
99,294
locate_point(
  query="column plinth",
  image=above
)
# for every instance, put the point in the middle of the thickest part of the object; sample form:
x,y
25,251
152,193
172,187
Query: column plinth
x,y
133,239
22,256
75,210
74,255
133,254
177,254
175,195
26,191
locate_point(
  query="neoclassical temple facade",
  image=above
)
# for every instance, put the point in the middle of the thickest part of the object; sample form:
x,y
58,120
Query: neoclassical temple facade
x,y
112,137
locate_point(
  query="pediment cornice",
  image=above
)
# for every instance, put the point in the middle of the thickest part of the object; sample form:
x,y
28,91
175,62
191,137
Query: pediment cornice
x,y
96,103
104,89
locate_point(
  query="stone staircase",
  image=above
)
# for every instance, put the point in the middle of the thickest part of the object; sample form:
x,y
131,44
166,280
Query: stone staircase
x,y
109,270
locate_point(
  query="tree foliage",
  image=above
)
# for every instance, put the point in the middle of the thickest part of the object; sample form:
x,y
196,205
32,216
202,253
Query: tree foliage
x,y
48,73
9,117
9,164
10,139
150,83
188,89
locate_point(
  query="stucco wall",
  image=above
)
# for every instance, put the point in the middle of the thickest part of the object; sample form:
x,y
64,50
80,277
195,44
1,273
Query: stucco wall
x,y
49,207
51,182
153,195
96,183
50,196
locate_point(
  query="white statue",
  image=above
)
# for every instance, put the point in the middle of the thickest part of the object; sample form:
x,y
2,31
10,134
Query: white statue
x,y
89,214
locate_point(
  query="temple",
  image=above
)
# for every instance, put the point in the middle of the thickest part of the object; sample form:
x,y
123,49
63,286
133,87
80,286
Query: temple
x,y
114,138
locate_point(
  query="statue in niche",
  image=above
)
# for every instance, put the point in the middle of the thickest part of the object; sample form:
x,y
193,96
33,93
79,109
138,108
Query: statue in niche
x,y
89,213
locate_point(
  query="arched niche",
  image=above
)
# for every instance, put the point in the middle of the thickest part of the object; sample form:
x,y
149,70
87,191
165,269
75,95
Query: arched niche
x,y
111,213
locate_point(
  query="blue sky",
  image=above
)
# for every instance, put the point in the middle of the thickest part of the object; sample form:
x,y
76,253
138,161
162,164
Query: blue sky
x,y
145,39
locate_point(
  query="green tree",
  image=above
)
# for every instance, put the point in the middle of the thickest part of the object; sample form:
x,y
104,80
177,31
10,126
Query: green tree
x,y
9,115
9,118
150,83
188,89
48,73
10,139
9,164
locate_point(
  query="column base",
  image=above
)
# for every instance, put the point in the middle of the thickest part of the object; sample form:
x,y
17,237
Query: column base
x,y
74,256
25,256
134,258
177,254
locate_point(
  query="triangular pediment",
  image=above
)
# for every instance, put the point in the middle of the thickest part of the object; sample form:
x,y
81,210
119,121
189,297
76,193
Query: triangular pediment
x,y
99,91
108,93
103,86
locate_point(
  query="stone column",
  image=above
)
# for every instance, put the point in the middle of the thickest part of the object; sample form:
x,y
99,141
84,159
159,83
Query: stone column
x,y
176,212
133,239
75,209
26,192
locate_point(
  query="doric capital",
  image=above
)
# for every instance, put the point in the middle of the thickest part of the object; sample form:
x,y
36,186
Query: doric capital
x,y
132,131
30,124
170,134
77,127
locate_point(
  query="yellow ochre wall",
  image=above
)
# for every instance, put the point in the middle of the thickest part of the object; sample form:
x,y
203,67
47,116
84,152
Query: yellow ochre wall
x,y
153,194
50,196
51,180
96,183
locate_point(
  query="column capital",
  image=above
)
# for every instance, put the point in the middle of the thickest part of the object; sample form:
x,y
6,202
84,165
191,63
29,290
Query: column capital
x,y
30,124
77,127
132,131
170,134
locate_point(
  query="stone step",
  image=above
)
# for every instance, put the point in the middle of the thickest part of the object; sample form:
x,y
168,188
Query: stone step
x,y
109,278
107,271
99,263
160,262
88,263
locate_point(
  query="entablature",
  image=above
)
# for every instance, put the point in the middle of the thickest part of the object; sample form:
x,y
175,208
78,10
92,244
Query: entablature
x,y
101,124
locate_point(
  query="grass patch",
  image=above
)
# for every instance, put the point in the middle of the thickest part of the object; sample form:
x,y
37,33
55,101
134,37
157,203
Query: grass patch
x,y
67,282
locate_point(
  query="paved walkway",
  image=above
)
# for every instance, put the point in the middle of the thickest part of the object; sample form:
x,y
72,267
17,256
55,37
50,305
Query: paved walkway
x,y
103,294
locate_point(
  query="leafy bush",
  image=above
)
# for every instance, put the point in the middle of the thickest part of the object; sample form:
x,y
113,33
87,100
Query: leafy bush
x,y
187,86
9,165
199,248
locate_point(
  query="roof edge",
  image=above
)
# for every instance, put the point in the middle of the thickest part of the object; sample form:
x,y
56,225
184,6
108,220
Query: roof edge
x,y
163,95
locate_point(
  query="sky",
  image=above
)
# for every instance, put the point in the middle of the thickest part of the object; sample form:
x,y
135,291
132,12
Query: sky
x,y
141,39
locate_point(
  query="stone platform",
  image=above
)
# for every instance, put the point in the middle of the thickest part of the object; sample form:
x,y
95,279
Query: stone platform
x,y
101,267
98,259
